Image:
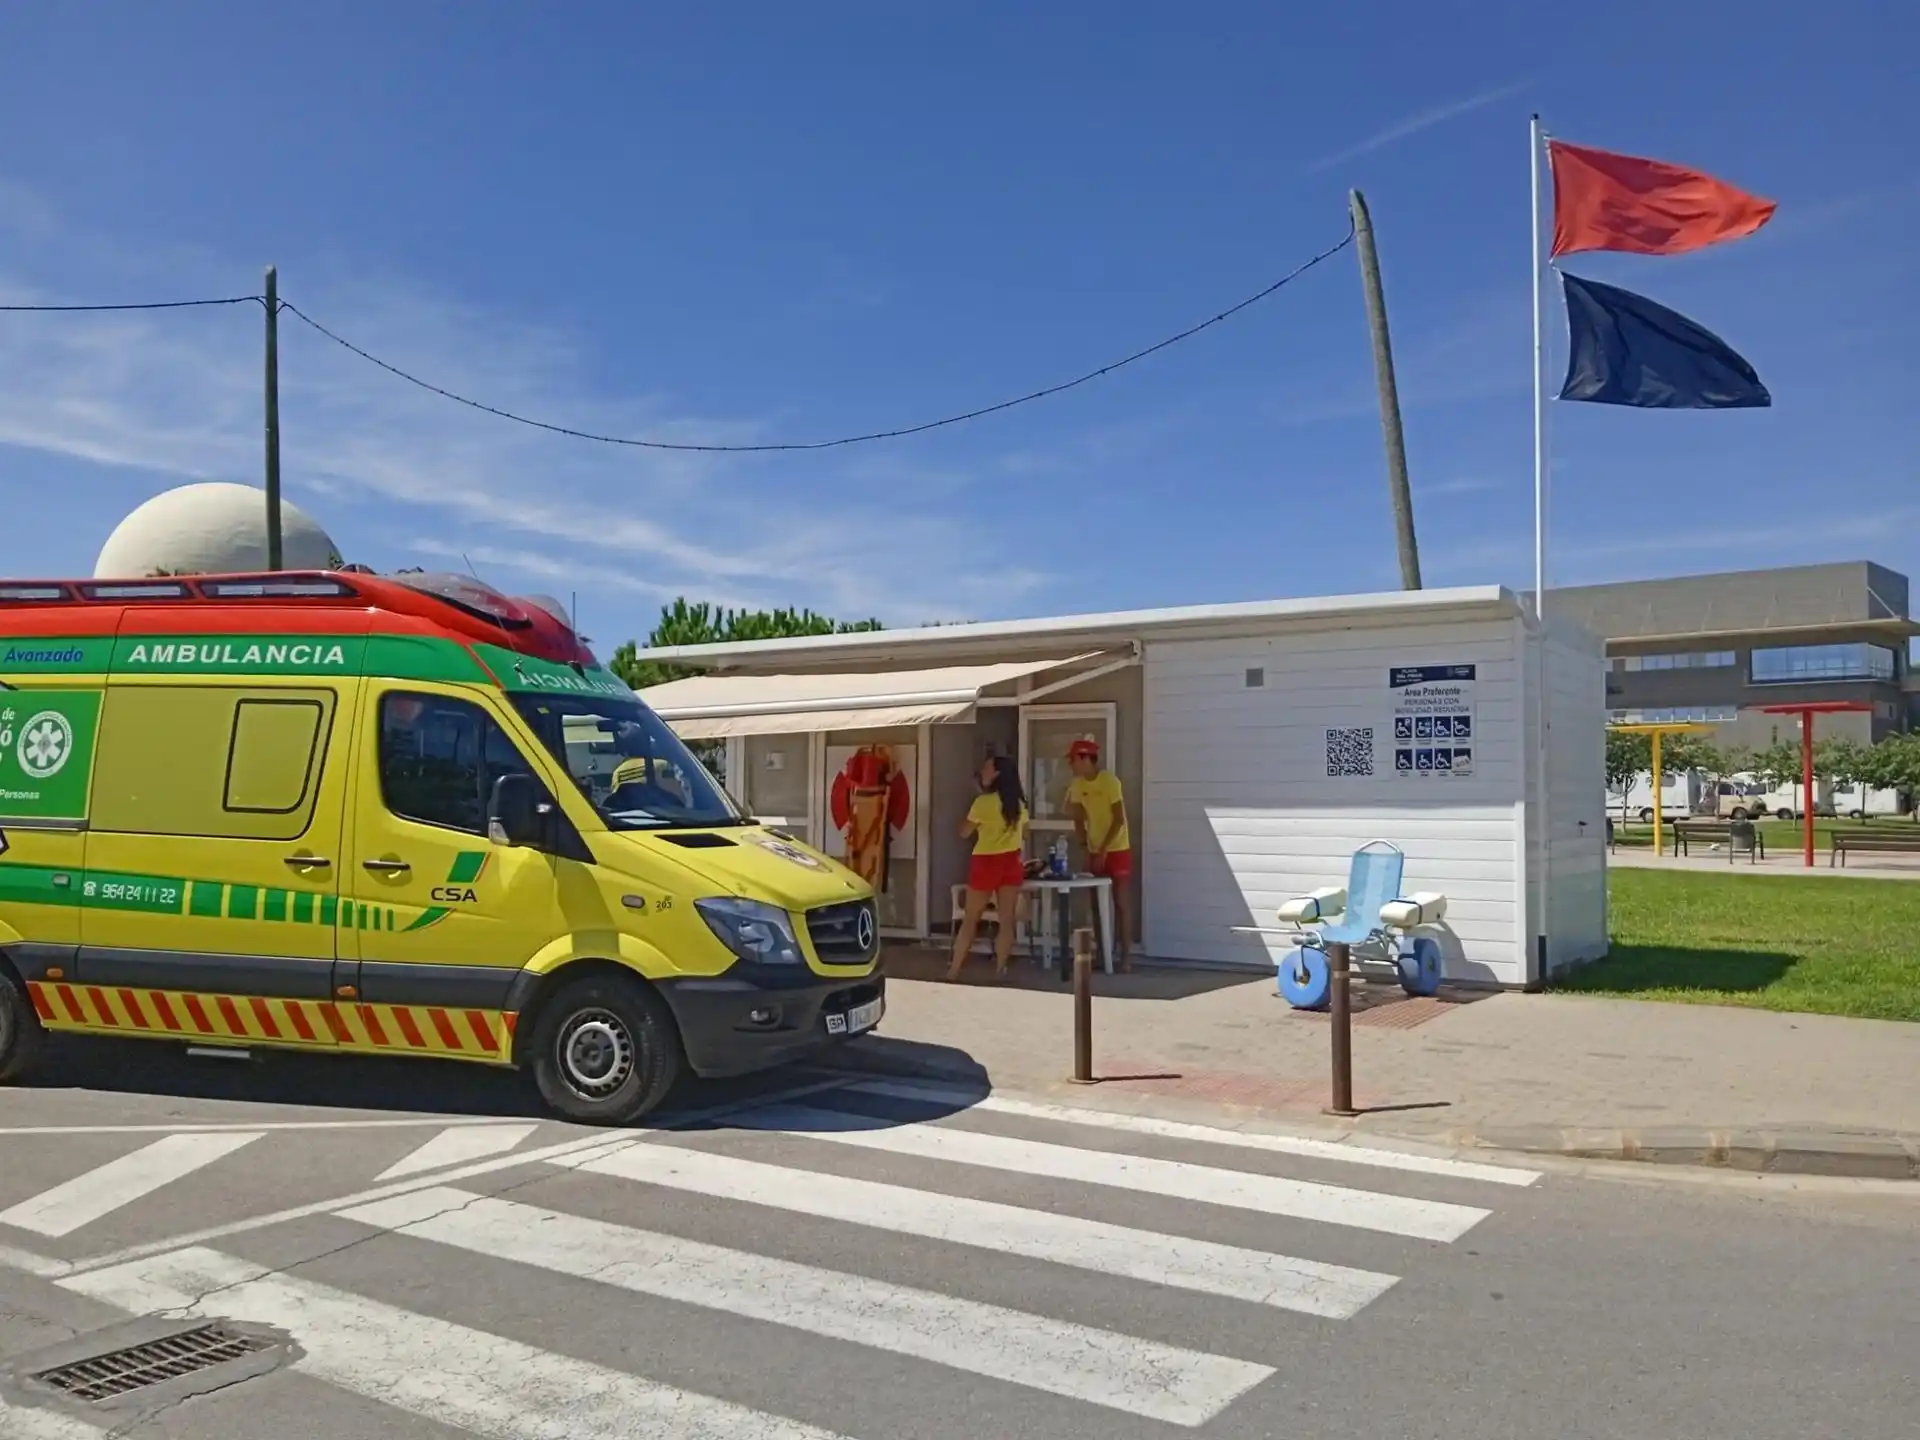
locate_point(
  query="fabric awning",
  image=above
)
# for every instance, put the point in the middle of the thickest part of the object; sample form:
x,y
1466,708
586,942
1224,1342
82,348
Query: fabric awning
x,y
709,707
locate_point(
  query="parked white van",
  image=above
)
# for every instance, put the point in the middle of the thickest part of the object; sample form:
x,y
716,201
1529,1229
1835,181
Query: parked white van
x,y
1737,798
1857,802
1684,793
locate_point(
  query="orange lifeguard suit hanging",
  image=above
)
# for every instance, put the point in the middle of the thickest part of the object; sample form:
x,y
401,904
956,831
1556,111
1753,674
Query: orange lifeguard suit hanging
x,y
869,801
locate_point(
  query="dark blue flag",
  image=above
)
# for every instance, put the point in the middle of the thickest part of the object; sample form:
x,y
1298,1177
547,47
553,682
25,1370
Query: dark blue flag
x,y
1626,350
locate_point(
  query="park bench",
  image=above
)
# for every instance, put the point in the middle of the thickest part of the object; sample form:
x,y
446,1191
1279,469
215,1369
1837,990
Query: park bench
x,y
1872,842
1750,842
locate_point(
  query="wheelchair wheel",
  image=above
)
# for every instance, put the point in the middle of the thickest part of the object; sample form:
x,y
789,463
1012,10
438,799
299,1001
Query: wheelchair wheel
x,y
1305,978
1420,971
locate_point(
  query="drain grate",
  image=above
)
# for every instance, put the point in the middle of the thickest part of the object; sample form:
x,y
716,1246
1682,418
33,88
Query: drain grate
x,y
119,1372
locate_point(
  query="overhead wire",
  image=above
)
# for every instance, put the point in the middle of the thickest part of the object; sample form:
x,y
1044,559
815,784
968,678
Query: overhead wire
x,y
897,433
145,305
894,434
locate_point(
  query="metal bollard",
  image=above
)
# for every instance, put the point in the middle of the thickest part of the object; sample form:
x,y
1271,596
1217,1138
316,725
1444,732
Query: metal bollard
x,y
1083,1007
1340,1013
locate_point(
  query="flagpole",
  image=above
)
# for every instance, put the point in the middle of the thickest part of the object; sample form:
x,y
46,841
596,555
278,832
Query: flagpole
x,y
1542,822
1539,388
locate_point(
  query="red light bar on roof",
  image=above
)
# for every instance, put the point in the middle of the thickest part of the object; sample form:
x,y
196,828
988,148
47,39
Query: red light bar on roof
x,y
552,606
267,589
476,597
137,590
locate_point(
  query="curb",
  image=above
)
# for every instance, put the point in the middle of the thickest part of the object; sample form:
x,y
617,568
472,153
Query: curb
x,y
1865,1155
1856,1155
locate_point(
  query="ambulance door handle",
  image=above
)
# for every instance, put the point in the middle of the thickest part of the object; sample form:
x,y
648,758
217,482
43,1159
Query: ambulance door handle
x,y
393,867
309,862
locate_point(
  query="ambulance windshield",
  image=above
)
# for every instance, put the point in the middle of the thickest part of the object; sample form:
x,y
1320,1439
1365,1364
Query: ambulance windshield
x,y
623,757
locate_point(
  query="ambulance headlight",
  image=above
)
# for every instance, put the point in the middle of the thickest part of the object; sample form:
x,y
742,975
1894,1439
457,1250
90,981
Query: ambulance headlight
x,y
752,930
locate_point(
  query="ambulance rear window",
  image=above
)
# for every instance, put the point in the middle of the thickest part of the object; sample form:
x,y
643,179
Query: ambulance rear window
x,y
270,761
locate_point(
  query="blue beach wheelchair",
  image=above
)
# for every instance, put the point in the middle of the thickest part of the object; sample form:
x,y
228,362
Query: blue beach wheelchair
x,y
1373,919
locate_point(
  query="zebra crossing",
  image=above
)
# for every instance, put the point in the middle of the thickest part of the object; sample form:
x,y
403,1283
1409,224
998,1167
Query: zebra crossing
x,y
222,1170
723,1230
86,1198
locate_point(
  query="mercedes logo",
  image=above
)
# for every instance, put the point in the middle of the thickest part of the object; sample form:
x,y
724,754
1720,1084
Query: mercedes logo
x,y
863,928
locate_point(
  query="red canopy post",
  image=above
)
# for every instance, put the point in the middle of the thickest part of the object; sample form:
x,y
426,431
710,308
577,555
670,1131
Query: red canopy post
x,y
1806,779
1806,711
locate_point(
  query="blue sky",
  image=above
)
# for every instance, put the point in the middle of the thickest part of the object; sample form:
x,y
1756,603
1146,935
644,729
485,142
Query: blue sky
x,y
763,221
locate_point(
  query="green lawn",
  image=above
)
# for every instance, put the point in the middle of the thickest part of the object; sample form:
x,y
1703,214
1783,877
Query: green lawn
x,y
1776,942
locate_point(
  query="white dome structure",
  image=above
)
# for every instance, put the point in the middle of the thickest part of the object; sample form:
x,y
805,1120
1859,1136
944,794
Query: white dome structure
x,y
211,529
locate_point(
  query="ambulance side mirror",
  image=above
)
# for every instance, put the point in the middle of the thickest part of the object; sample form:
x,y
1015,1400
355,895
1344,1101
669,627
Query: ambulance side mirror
x,y
517,813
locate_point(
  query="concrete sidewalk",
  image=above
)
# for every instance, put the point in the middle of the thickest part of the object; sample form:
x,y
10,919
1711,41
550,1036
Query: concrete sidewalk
x,y
1559,1074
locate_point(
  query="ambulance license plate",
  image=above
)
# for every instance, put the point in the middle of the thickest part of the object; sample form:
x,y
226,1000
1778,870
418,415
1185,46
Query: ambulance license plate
x,y
859,1018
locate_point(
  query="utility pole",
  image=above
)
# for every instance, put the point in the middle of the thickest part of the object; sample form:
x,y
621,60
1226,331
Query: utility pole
x,y
273,418
1397,488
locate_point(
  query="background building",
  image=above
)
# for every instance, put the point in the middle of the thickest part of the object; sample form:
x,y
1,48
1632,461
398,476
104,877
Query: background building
x,y
1258,746
1715,647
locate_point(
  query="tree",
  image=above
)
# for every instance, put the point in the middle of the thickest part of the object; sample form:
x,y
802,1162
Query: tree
x,y
1903,768
1894,764
1843,763
1630,753
703,624
1836,762
1681,752
1777,764
1627,755
1715,763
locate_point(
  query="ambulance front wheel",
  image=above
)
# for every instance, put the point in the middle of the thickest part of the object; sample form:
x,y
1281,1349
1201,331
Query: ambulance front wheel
x,y
20,1032
605,1050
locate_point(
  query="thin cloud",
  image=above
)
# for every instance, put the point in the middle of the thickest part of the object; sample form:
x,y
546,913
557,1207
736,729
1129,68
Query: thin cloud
x,y
1800,222
1460,485
1463,359
176,397
1414,124
1762,540
1597,564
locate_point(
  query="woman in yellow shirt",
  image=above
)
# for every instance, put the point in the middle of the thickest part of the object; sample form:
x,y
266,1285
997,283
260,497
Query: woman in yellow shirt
x,y
997,821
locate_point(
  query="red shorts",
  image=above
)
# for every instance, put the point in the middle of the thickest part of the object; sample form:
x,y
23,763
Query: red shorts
x,y
996,872
1117,866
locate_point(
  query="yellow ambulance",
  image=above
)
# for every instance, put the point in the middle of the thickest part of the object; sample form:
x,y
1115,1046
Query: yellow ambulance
x,y
391,815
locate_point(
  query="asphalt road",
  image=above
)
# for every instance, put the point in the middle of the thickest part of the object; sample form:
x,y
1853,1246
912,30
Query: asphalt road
x,y
814,1255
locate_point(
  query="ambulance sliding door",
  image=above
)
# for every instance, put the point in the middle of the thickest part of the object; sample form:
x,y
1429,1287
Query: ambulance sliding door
x,y
214,854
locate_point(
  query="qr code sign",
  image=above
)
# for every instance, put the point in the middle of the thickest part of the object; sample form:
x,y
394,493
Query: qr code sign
x,y
1350,752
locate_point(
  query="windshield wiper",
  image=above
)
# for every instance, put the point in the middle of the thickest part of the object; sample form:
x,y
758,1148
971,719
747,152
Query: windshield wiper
x,y
659,822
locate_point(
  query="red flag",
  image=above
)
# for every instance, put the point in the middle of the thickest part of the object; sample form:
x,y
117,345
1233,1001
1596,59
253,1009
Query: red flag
x,y
1604,201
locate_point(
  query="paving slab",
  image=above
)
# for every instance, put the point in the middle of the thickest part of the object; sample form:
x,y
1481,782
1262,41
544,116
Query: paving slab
x,y
1554,1074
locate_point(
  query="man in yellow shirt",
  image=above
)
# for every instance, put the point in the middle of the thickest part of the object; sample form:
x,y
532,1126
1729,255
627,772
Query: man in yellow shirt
x,y
1099,811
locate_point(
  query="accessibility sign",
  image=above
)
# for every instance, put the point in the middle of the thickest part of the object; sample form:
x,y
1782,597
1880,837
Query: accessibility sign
x,y
1432,719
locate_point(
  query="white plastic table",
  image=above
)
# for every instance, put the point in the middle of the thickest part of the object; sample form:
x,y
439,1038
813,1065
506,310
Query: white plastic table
x,y
1056,895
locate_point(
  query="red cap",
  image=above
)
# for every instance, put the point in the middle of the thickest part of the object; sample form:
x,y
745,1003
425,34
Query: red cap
x,y
1083,750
